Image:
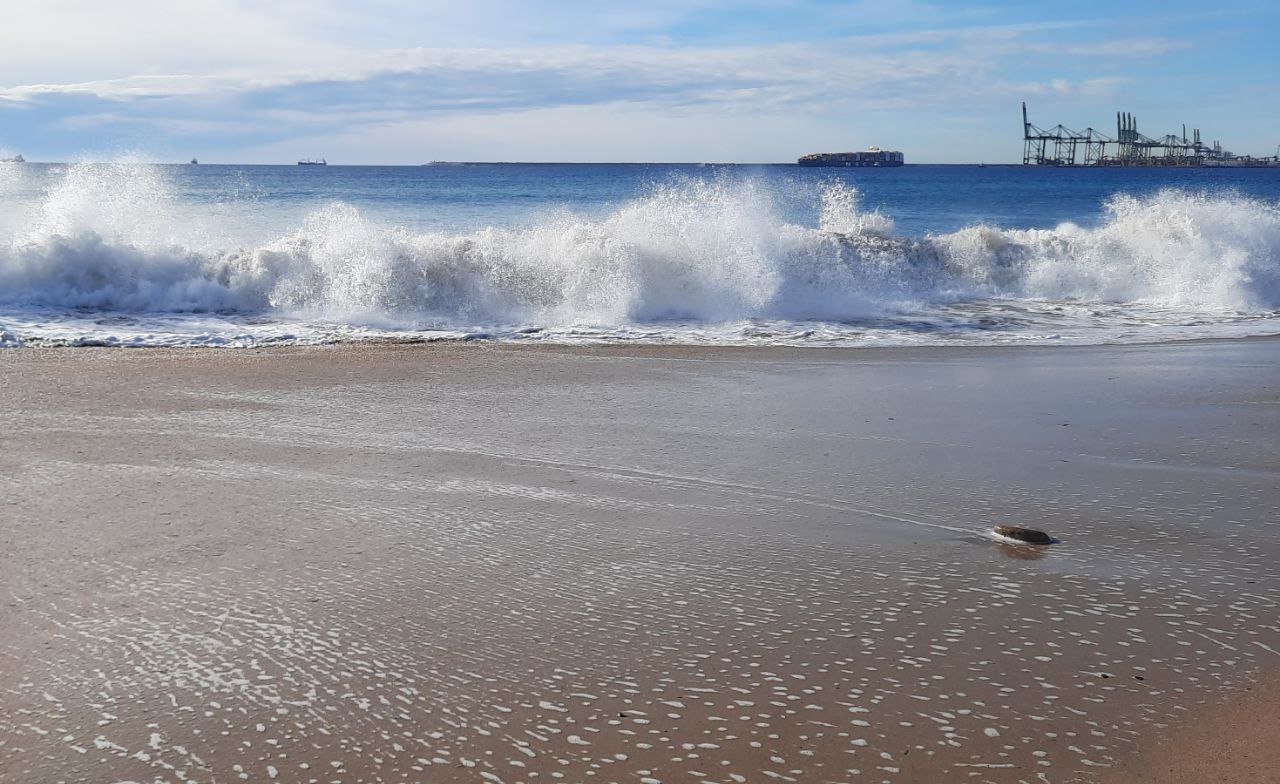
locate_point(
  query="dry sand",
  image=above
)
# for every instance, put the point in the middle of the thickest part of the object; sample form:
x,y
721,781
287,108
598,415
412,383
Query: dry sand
x,y
1235,743
481,563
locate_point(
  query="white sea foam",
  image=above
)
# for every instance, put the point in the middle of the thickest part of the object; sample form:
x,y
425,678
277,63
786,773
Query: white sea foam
x,y
109,255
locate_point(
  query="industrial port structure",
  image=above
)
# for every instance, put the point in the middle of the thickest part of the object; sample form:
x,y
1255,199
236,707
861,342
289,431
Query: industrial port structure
x,y
1061,146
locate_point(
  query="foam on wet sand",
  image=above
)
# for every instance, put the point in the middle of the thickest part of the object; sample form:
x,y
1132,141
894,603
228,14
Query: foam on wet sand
x,y
479,563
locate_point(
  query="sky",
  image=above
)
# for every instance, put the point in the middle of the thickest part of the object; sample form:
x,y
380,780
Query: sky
x,y
409,81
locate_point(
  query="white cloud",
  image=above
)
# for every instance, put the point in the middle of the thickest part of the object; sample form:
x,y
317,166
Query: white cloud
x,y
855,70
62,41
1122,47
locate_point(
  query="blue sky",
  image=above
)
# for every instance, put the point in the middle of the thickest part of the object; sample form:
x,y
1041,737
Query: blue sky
x,y
401,81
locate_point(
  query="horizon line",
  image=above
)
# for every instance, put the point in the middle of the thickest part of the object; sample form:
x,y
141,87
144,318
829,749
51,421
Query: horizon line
x,y
446,164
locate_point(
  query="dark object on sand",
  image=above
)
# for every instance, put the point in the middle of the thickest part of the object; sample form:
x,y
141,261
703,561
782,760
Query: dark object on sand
x,y
1028,535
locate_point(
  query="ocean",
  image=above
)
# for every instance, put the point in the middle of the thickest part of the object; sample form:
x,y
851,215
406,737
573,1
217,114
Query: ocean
x,y
132,254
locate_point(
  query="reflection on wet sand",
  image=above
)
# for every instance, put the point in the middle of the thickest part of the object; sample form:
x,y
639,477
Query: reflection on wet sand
x,y
1022,552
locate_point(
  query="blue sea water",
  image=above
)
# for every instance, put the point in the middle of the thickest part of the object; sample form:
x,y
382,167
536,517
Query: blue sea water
x,y
128,253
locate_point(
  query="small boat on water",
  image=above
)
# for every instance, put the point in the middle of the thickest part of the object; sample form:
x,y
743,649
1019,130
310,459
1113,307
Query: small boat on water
x,y
194,162
310,162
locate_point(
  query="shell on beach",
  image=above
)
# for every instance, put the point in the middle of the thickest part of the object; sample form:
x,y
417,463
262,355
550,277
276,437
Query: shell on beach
x,y
1022,534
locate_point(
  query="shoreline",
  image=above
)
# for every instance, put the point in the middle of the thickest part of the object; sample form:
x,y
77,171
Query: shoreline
x,y
483,340
375,343
635,562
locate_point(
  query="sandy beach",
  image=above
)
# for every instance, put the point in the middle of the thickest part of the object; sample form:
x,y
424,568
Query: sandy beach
x,y
491,563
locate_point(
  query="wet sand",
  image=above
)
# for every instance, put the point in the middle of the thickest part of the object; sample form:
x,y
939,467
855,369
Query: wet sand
x,y
481,563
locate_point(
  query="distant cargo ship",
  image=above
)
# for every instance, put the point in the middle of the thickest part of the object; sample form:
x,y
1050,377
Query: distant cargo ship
x,y
309,162
872,156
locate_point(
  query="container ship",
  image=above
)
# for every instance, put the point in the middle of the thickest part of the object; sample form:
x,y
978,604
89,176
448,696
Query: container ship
x,y
872,156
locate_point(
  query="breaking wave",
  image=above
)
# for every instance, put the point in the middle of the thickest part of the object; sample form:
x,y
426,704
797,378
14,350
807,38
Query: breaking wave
x,y
691,252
